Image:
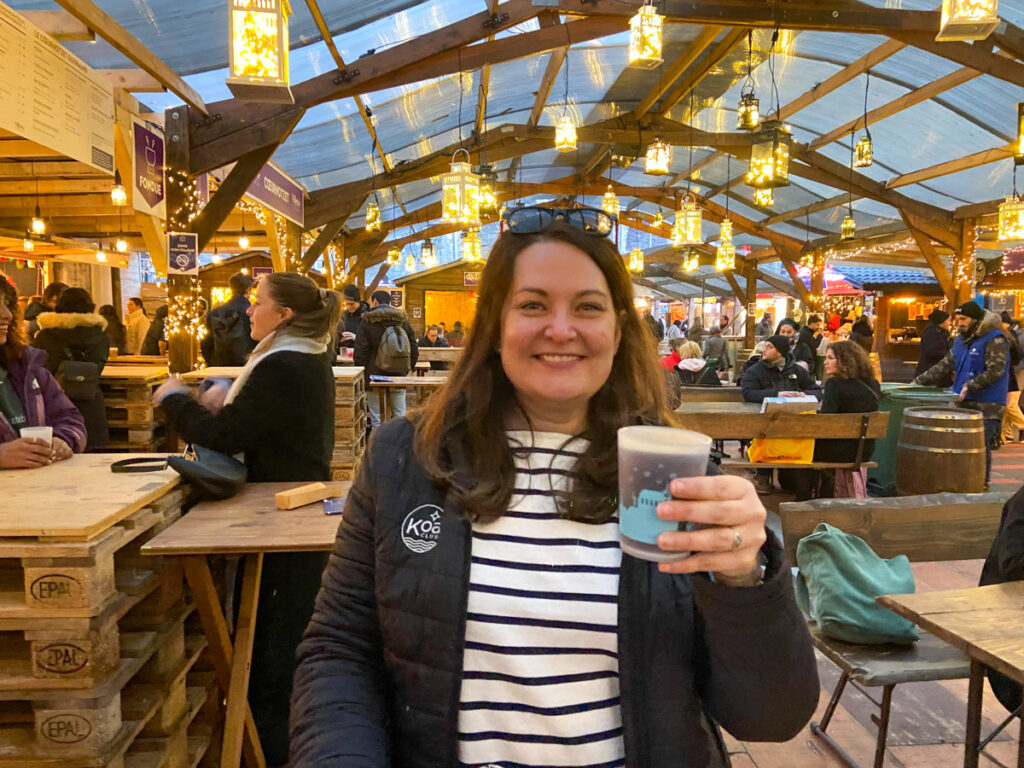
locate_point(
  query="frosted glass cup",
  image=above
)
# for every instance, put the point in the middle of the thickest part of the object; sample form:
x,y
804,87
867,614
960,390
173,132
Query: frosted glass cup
x,y
38,433
649,459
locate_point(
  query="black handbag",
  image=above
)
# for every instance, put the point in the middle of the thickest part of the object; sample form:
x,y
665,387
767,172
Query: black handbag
x,y
79,378
212,474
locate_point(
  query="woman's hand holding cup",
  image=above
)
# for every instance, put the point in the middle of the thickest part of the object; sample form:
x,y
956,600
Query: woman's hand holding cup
x,y
728,528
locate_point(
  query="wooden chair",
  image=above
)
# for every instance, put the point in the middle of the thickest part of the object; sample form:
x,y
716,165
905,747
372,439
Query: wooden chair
x,y
941,526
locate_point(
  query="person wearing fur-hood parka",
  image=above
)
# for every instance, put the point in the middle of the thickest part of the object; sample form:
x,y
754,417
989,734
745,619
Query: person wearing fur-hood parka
x,y
74,332
980,364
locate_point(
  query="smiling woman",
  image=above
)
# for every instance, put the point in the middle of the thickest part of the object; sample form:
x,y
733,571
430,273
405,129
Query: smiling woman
x,y
477,608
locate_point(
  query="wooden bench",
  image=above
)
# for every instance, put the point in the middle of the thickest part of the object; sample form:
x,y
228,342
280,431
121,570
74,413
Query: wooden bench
x,y
936,527
727,393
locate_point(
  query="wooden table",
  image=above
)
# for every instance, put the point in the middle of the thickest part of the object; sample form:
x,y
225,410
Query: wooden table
x,y
744,421
250,525
137,360
440,354
385,388
986,623
710,394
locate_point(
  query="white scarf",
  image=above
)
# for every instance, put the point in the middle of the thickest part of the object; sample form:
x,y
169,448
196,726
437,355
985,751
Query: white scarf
x,y
271,344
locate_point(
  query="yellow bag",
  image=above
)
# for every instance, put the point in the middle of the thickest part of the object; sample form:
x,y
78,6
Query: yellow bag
x,y
779,450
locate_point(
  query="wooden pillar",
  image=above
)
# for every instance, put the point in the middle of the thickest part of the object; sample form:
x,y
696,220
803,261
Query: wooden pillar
x,y
293,246
817,281
115,290
963,264
749,271
181,289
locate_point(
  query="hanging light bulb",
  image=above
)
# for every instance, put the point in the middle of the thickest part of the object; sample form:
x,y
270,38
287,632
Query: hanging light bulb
x,y
243,240
691,260
460,192
764,198
244,270
645,37
748,114
636,261
1011,219
967,19
121,245
471,247
565,134
216,256
118,194
394,256
488,190
658,218
658,159
101,255
864,153
427,257
610,203
848,229
410,262
38,225
27,244
689,221
373,217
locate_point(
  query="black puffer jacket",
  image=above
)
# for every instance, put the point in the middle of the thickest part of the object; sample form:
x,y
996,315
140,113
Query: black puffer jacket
x,y
370,332
349,323
78,336
379,671
763,380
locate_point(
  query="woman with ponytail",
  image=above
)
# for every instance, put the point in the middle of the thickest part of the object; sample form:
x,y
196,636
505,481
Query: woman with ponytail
x,y
279,413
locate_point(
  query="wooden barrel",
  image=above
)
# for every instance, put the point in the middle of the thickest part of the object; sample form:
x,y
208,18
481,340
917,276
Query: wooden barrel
x,y
940,449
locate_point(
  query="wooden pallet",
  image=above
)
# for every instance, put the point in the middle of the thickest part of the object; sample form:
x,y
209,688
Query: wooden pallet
x,y
43,578
349,384
348,411
124,413
349,455
72,729
349,432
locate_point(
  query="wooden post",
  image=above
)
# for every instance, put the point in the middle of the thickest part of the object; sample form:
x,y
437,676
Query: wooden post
x,y
292,246
115,290
817,281
963,264
181,347
750,272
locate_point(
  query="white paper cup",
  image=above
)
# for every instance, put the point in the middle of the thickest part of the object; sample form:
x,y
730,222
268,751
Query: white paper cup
x,y
39,433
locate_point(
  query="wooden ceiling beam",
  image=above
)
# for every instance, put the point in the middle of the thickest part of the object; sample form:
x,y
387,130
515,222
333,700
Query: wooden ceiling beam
x,y
797,213
916,96
485,77
68,169
978,56
697,73
647,283
134,80
952,166
777,283
24,148
690,54
129,46
924,243
60,25
55,186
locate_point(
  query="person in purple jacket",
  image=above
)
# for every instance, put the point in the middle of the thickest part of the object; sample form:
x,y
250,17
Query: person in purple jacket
x,y
31,397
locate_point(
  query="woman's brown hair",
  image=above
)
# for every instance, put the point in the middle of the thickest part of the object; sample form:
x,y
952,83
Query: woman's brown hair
x,y
460,433
316,310
851,361
16,338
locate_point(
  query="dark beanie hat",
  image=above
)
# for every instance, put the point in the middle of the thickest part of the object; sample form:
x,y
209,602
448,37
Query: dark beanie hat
x,y
787,321
781,343
1006,317
970,309
351,292
938,316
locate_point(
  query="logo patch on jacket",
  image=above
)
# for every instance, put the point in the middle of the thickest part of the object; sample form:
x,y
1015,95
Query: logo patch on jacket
x,y
421,528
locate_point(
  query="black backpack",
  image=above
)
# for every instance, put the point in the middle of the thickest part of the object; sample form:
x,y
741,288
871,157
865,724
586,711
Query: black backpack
x,y
79,378
231,339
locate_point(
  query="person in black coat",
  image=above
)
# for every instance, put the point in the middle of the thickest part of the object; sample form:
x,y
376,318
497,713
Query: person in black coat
x,y
432,339
850,388
155,342
75,332
934,342
355,307
115,328
228,340
805,349
861,333
775,374
280,413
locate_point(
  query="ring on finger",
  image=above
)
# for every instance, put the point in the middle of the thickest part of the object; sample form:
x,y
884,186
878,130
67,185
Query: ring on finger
x,y
737,540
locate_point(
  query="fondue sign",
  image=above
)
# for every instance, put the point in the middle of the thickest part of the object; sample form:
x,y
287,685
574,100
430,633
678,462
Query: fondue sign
x,y
149,192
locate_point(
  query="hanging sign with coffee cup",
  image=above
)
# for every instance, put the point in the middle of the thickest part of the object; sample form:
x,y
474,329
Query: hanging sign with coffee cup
x,y
149,193
182,253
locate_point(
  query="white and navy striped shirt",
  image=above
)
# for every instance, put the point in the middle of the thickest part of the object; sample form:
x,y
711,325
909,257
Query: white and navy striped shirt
x,y
540,680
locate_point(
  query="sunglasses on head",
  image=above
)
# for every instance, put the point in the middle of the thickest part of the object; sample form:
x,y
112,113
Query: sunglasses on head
x,y
531,219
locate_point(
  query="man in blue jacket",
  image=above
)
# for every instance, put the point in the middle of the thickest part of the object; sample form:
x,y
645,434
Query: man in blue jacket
x,y
980,363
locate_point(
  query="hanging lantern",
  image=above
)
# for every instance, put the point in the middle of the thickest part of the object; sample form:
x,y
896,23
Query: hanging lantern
x,y
38,225
645,37
610,203
849,228
460,193
565,134
725,258
488,190
427,257
101,256
864,153
658,159
258,57
691,260
394,256
373,217
410,262
769,156
636,261
121,245
968,19
658,218
1018,145
687,227
471,248
748,114
28,245
1011,219
243,240
118,194
764,198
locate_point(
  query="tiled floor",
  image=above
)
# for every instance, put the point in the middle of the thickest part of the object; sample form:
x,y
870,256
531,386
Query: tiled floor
x,y
927,726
